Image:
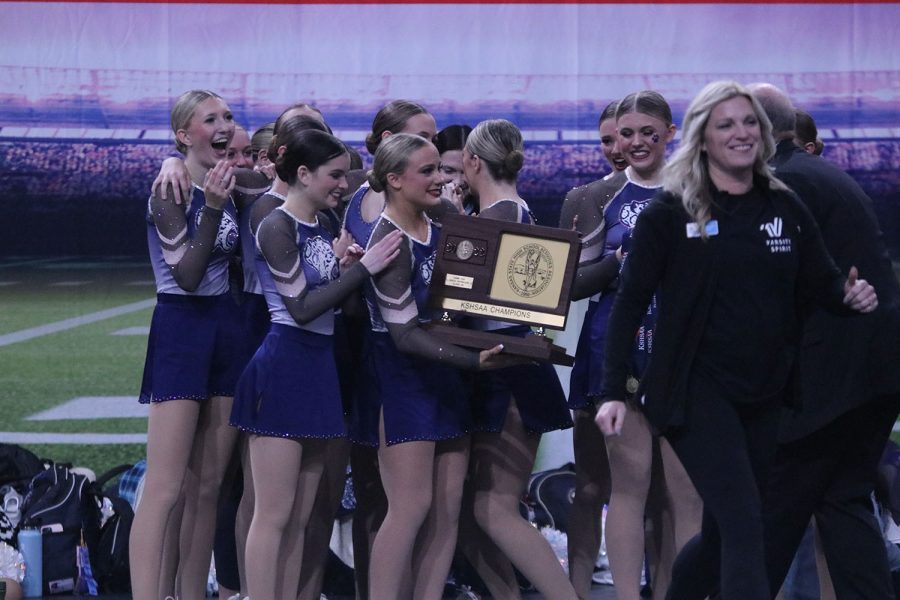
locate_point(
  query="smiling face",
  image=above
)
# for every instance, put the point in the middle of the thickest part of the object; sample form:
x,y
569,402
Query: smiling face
x,y
208,133
642,141
609,145
240,154
327,184
421,182
731,140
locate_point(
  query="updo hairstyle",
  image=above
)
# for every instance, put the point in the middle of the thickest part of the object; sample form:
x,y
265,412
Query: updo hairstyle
x,y
307,108
392,156
183,110
609,112
646,102
290,128
498,143
392,117
311,148
261,139
452,137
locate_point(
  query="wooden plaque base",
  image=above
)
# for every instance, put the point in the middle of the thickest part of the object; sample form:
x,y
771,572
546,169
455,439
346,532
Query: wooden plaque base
x,y
534,346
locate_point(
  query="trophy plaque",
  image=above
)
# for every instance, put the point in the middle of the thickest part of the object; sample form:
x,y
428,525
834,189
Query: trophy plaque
x,y
499,270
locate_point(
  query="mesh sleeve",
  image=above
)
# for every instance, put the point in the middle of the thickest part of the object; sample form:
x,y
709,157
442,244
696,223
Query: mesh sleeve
x,y
248,186
276,238
596,272
186,255
400,313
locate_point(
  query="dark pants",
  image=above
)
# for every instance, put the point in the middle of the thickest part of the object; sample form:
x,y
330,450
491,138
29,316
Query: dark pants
x,y
831,474
725,448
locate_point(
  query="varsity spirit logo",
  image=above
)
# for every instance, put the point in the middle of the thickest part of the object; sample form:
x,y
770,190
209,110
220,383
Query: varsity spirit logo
x,y
530,270
775,242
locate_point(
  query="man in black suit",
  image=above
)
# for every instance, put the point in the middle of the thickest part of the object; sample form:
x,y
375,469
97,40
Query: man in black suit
x,y
847,385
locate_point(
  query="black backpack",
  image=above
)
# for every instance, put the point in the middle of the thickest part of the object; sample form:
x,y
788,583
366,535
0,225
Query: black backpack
x,y
551,493
18,465
109,558
59,505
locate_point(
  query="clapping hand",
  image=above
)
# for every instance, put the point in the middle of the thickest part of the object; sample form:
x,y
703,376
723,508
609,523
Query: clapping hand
x,y
218,184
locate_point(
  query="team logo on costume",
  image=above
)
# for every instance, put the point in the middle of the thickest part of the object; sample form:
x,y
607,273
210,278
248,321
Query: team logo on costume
x,y
318,254
776,243
227,235
630,211
427,268
529,270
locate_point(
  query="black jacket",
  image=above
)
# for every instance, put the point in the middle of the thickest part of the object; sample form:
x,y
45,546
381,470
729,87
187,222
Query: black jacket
x,y
844,362
686,270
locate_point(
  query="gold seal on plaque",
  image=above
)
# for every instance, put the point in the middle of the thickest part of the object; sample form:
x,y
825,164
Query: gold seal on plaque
x,y
464,250
529,270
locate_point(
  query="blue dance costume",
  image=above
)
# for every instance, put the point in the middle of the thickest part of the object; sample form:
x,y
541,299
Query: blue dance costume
x,y
415,377
290,388
358,381
606,213
359,228
538,394
254,310
191,350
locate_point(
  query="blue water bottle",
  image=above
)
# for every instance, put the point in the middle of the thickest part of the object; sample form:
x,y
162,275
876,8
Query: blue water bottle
x,y
30,545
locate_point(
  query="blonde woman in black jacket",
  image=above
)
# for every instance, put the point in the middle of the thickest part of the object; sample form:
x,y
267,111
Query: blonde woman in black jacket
x,y
730,251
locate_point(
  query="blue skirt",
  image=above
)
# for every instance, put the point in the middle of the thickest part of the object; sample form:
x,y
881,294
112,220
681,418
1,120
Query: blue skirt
x,y
193,351
290,388
421,399
535,387
587,372
255,323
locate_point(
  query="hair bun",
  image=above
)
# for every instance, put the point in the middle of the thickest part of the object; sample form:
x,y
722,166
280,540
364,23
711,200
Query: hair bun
x,y
374,184
372,143
282,169
514,161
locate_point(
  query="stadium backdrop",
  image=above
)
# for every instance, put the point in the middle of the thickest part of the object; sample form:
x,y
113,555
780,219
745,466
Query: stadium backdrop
x,y
85,88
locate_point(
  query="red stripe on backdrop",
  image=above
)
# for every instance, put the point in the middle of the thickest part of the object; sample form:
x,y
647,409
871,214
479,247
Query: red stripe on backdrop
x,y
536,2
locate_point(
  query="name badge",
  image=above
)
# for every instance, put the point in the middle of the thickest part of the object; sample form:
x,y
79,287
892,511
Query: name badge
x,y
693,229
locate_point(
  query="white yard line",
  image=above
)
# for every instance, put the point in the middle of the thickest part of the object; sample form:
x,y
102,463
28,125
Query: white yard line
x,y
33,332
15,437
139,330
94,407
28,262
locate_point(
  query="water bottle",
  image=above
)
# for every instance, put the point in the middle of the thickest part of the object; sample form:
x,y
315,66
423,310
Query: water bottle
x,y
30,545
